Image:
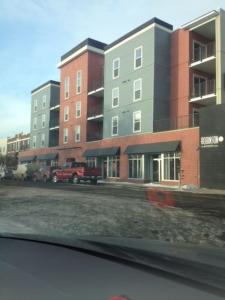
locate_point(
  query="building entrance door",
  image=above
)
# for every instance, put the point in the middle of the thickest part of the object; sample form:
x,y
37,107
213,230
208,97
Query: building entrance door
x,y
156,168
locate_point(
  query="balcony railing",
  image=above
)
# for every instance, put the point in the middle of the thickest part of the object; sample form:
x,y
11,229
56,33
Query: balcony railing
x,y
204,51
181,122
206,87
95,85
54,122
95,111
94,137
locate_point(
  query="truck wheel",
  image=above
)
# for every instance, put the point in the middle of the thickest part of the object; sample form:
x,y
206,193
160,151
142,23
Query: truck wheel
x,y
75,179
55,179
94,181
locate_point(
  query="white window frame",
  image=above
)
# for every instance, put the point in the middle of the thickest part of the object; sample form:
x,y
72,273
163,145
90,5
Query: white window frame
x,y
91,162
135,57
78,82
35,105
137,157
134,113
117,120
43,120
65,136
162,158
35,123
77,132
42,139
78,105
44,101
67,87
118,96
134,89
34,141
66,113
113,159
113,69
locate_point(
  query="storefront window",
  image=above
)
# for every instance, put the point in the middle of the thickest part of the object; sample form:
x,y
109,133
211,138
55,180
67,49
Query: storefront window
x,y
136,169
171,163
113,166
91,162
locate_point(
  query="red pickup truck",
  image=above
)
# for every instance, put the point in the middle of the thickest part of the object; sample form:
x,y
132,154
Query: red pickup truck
x,y
75,172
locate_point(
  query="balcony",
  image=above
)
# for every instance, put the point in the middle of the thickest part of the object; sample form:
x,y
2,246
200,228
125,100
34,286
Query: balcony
x,y
96,89
54,123
180,122
94,137
56,107
95,113
204,91
203,58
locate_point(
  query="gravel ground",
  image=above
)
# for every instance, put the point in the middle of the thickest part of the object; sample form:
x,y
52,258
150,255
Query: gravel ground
x,y
83,211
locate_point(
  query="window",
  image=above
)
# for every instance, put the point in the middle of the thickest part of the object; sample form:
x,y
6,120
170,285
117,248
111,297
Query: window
x,y
42,140
137,89
91,162
115,125
67,87
137,121
77,133
115,97
113,166
65,135
44,101
138,57
199,51
136,166
43,120
78,109
171,166
199,86
78,82
66,113
35,105
35,123
34,141
116,68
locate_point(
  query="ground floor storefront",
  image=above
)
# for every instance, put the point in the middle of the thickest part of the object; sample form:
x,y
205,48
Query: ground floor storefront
x,y
169,158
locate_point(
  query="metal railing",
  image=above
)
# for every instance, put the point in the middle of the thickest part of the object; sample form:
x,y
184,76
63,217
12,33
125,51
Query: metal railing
x,y
94,137
95,111
181,122
96,84
203,52
54,122
203,88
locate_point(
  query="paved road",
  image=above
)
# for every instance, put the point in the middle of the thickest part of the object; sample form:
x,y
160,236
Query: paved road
x,y
105,210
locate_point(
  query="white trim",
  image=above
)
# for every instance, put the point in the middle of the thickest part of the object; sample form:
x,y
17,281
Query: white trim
x,y
12,142
77,102
66,87
95,117
189,25
135,112
43,120
142,163
80,79
54,107
65,130
115,118
96,91
114,60
44,87
137,34
52,128
78,52
134,82
66,113
140,47
196,63
116,89
77,131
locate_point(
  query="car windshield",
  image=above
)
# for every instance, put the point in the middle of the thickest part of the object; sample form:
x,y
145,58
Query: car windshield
x,y
120,135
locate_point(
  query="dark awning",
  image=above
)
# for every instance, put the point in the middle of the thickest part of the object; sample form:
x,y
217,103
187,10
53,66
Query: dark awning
x,y
153,148
27,158
49,156
102,152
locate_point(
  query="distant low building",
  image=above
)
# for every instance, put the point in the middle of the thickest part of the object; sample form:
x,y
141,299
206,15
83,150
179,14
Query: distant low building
x,y
20,142
3,146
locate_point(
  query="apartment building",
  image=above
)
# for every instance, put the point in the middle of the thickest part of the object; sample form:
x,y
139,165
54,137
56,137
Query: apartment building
x,y
3,147
148,106
20,142
45,115
81,98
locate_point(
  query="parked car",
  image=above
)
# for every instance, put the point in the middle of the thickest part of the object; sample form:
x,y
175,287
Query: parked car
x,y
75,172
2,173
43,173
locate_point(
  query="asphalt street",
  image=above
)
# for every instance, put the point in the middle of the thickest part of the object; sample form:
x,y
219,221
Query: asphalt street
x,y
113,210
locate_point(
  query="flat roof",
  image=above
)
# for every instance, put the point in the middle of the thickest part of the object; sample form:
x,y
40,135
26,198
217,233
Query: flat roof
x,y
46,83
139,28
87,42
201,19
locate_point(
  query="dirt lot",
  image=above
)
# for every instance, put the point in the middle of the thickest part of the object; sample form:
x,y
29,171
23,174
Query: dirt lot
x,y
119,211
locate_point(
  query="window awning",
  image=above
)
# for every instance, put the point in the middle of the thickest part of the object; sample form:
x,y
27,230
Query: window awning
x,y
49,156
153,148
102,152
27,158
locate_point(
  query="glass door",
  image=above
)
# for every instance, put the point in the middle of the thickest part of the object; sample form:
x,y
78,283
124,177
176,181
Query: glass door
x,y
156,168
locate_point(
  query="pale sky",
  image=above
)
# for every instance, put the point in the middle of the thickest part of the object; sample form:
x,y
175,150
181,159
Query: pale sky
x,y
35,33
